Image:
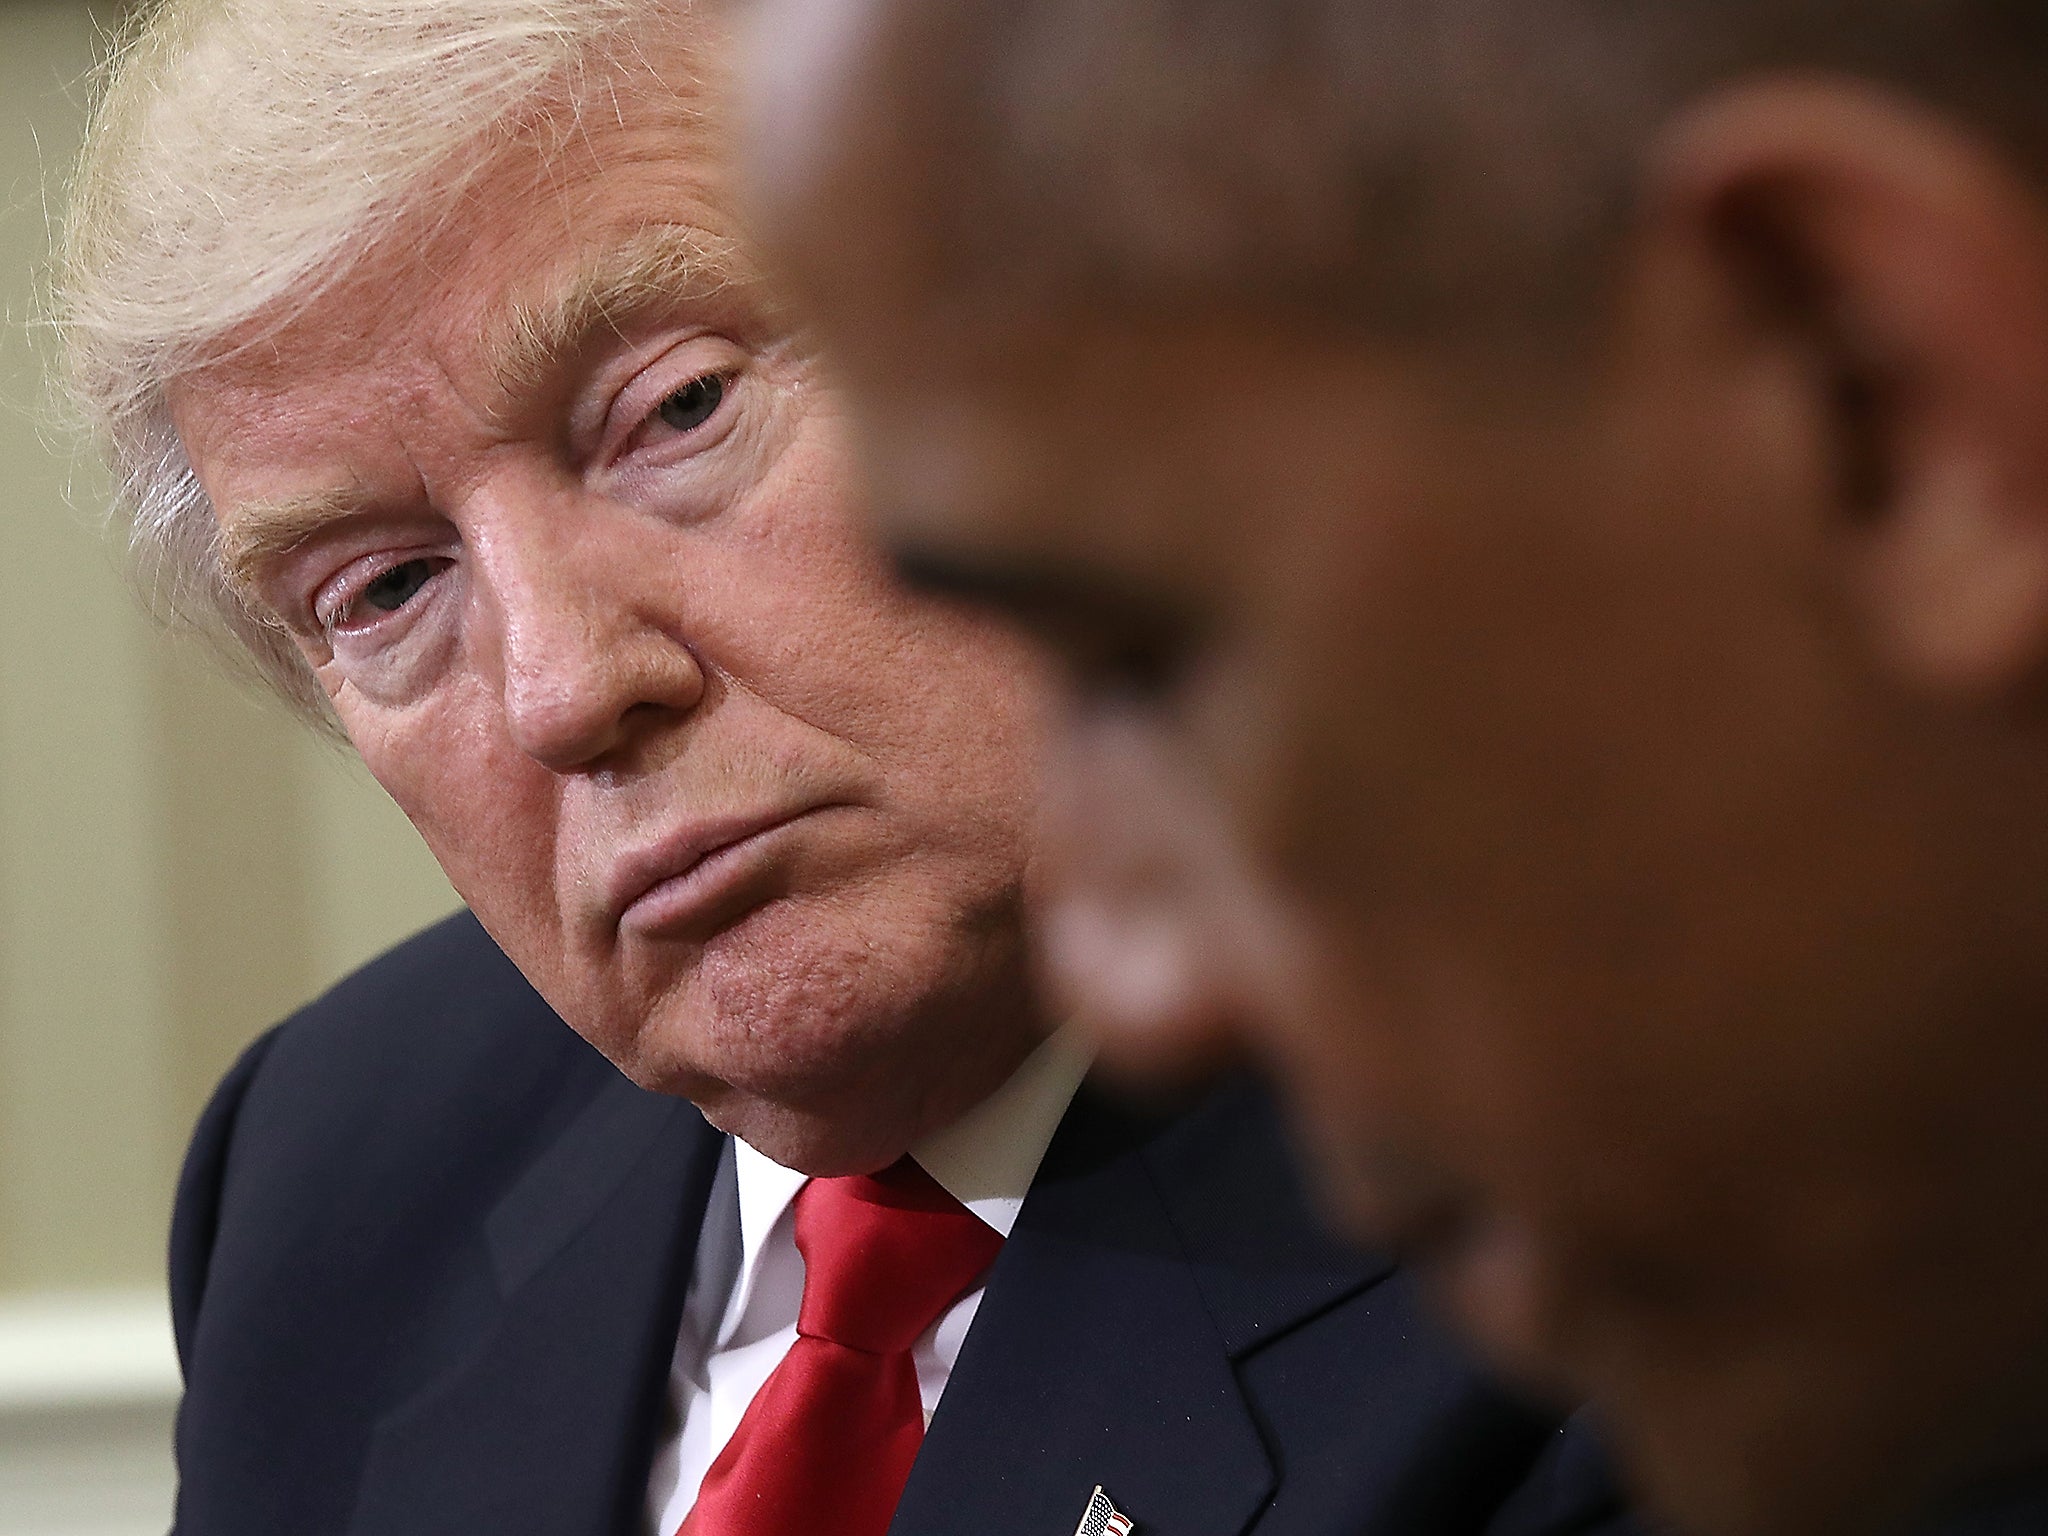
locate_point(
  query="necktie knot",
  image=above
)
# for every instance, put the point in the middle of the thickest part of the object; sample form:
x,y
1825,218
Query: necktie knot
x,y
828,1441
884,1255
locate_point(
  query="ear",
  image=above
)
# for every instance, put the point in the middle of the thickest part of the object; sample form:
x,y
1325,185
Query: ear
x,y
1914,257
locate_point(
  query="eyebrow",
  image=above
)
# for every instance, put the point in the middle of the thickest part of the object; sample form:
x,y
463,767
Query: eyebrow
x,y
523,345
659,267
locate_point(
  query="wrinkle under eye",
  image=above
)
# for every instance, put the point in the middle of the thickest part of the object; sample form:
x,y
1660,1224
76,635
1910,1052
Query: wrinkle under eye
x,y
694,404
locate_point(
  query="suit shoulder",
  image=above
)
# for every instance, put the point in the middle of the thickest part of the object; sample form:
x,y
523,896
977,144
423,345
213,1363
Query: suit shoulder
x,y
445,1007
374,1182
445,983
437,1055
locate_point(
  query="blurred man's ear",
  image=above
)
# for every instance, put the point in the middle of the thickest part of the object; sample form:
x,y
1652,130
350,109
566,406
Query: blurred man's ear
x,y
1912,257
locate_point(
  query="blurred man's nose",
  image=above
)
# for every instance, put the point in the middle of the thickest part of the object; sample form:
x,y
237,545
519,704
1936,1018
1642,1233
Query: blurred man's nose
x,y
590,632
1132,943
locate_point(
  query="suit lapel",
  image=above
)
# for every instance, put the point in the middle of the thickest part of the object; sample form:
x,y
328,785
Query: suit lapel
x,y
549,1421
1265,1261
1104,1348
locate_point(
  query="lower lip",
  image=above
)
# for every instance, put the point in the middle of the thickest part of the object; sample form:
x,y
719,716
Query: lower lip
x,y
717,890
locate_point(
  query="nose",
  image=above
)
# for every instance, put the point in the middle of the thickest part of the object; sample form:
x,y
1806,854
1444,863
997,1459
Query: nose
x,y
590,629
1142,901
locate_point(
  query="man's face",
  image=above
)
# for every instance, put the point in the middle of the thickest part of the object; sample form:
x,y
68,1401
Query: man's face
x,y
1496,782
1480,739
556,509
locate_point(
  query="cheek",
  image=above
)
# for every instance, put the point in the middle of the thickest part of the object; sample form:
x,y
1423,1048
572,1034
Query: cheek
x,y
1336,953
953,709
969,709
486,811
794,604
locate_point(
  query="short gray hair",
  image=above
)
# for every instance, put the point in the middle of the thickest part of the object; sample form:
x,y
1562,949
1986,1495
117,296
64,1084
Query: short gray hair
x,y
243,156
1413,163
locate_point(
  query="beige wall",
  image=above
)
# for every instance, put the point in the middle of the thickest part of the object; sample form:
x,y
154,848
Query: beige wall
x,y
179,864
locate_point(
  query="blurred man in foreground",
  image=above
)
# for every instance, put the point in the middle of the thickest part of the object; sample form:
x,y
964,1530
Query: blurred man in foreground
x,y
438,373
1545,508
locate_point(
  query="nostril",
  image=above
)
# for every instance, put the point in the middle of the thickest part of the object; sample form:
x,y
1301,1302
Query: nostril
x,y
648,715
559,726
569,716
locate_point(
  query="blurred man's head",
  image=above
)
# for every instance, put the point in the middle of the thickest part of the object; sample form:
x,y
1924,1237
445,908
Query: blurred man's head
x,y
1546,510
437,372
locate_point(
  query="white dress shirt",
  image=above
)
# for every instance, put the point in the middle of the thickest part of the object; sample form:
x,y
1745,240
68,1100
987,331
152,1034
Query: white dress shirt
x,y
740,1316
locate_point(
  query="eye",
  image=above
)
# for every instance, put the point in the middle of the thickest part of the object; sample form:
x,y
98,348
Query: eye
x,y
1113,641
359,598
395,588
674,407
694,404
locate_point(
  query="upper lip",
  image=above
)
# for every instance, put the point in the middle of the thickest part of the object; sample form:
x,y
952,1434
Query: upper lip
x,y
681,850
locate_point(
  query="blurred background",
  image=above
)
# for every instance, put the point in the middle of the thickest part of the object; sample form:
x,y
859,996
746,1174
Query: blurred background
x,y
180,866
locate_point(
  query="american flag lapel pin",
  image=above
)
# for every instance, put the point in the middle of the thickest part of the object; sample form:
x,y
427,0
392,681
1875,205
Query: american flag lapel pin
x,y
1102,1518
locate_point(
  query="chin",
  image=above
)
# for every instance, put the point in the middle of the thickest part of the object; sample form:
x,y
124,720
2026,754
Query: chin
x,y
822,1145
830,1046
815,1101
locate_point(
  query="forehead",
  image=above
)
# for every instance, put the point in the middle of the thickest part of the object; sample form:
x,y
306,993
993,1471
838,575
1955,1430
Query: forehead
x,y
471,322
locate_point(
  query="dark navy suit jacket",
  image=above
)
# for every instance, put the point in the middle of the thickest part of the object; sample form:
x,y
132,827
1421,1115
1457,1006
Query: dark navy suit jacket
x,y
428,1266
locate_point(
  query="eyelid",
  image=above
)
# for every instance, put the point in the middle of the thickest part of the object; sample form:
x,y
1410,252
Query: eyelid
x,y
349,584
1111,641
702,355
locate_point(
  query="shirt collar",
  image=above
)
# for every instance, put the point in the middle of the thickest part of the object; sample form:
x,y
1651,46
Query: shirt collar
x,y
986,1159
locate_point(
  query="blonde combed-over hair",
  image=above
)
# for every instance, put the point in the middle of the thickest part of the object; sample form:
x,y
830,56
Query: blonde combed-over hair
x,y
243,155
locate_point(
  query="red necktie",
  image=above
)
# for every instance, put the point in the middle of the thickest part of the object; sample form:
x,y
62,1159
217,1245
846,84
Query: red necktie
x,y
827,1442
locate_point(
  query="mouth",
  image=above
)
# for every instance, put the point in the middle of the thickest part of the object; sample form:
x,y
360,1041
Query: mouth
x,y
701,876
